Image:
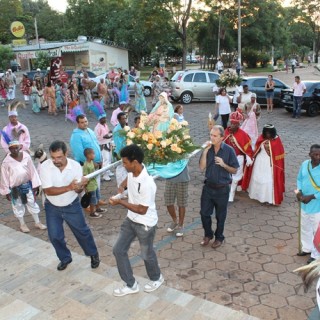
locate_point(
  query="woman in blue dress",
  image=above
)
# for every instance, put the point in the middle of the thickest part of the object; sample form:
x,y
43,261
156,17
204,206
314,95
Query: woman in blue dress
x,y
162,113
59,98
141,104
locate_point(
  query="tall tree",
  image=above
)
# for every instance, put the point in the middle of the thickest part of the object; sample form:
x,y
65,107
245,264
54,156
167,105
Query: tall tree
x,y
180,15
311,8
9,11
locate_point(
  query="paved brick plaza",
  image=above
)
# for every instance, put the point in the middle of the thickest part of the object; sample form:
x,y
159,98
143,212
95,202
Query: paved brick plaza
x,y
252,271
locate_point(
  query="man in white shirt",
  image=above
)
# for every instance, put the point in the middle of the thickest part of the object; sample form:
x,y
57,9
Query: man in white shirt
x,y
299,90
219,66
62,181
141,223
293,62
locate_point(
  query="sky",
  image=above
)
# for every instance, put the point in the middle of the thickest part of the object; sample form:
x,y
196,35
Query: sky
x,y
61,5
58,5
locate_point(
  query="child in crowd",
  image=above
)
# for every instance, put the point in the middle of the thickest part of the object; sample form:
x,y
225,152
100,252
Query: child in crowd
x,y
92,186
137,120
178,113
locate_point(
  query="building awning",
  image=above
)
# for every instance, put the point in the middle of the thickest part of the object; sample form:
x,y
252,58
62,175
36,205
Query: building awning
x,y
76,47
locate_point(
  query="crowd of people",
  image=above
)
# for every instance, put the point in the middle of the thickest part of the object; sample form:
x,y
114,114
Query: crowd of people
x,y
236,158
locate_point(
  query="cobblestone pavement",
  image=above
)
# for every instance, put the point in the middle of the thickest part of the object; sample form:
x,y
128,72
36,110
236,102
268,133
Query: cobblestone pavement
x,y
252,271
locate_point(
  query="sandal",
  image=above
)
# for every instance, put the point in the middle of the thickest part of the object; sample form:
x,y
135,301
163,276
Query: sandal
x,y
95,215
205,241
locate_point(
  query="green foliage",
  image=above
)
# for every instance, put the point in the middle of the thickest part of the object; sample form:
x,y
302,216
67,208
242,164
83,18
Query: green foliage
x,y
264,59
250,57
6,55
9,10
42,61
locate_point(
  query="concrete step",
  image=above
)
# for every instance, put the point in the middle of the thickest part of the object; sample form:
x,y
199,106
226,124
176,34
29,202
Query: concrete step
x,y
32,288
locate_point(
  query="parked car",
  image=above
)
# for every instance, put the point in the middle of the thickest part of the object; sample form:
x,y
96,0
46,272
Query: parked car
x,y
15,66
192,59
147,84
191,85
257,86
310,100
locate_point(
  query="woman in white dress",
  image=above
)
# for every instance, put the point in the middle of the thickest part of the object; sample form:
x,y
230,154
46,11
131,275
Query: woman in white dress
x,y
265,179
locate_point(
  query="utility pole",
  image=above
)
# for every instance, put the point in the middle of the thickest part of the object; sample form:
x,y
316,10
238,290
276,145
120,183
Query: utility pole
x,y
219,34
239,31
36,29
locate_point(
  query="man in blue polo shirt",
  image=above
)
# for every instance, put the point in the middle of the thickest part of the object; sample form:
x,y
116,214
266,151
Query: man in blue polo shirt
x,y
219,162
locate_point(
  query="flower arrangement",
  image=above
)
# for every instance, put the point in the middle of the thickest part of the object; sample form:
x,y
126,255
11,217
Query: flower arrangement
x,y
228,78
161,147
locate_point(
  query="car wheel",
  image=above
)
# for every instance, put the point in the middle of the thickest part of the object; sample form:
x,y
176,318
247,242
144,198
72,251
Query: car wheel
x,y
289,109
147,92
186,97
313,110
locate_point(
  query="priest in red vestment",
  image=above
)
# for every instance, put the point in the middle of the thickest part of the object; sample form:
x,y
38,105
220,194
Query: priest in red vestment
x,y
240,141
265,179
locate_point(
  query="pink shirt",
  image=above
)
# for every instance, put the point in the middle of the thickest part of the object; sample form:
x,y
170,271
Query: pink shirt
x,y
14,173
100,131
114,121
24,136
298,89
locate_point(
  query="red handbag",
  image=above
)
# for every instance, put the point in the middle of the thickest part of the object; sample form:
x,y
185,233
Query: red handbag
x,y
316,238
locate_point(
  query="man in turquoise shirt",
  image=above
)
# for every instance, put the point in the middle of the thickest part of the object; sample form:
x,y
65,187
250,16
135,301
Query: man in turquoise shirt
x,y
308,183
83,137
119,139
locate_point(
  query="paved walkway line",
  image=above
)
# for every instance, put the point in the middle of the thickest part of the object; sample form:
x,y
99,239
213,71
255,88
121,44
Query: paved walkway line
x,y
32,288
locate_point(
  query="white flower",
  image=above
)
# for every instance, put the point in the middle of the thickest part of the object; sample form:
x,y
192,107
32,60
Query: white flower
x,y
163,143
131,134
126,128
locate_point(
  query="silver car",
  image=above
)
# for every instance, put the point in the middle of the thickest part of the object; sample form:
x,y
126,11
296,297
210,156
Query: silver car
x,y
191,85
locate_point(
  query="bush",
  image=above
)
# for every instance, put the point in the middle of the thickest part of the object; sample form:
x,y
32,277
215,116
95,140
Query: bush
x,y
251,57
264,59
6,55
42,61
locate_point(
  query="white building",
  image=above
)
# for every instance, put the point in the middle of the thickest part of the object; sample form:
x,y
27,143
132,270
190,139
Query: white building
x,y
91,56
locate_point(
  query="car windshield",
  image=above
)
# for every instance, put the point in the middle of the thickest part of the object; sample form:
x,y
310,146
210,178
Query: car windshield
x,y
177,76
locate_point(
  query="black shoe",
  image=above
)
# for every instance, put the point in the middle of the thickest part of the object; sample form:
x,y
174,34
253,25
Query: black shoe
x,y
95,261
302,254
63,265
310,260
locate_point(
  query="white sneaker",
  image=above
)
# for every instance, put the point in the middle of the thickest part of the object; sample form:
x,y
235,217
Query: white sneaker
x,y
40,226
106,178
123,291
111,174
24,228
154,285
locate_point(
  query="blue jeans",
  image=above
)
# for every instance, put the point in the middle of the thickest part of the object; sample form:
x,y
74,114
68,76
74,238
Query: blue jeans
x,y
74,218
95,196
128,232
214,199
296,106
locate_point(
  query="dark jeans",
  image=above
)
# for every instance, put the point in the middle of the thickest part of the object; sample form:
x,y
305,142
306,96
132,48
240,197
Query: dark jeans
x,y
128,232
296,106
74,218
225,119
217,200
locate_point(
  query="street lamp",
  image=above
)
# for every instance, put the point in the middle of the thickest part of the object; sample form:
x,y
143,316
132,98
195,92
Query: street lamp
x,y
239,31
